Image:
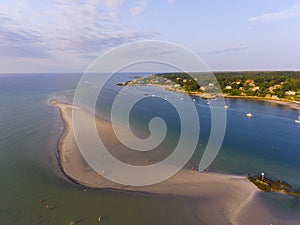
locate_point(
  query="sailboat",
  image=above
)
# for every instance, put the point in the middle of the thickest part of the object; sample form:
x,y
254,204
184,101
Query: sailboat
x,y
298,120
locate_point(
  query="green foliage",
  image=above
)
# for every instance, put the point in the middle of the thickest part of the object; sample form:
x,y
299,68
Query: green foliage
x,y
275,83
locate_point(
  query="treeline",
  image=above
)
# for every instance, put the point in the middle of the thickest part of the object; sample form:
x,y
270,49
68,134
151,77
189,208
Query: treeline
x,y
264,79
255,83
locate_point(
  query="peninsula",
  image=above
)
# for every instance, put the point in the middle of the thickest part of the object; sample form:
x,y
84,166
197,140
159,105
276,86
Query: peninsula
x,y
282,87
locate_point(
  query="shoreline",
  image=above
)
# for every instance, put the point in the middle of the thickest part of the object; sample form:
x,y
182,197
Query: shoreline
x,y
284,102
58,152
291,104
226,196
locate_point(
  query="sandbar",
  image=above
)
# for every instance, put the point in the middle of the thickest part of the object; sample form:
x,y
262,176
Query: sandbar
x,y
222,199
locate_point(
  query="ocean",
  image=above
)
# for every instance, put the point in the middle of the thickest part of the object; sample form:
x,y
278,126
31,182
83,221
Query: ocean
x,y
29,172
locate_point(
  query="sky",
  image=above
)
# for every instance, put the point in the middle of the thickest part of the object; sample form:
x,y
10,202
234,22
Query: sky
x,y
68,35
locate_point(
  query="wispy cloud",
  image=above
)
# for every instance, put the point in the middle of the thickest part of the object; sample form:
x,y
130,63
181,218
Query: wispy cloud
x,y
225,50
140,8
114,4
67,28
277,16
19,42
171,1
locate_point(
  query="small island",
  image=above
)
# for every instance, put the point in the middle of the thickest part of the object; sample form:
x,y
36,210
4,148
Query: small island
x,y
266,184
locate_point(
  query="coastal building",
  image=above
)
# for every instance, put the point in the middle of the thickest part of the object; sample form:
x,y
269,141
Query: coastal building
x,y
275,97
250,83
228,87
277,86
238,82
290,93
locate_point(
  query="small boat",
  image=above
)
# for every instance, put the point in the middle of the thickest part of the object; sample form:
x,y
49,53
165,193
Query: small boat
x,y
298,120
226,106
249,115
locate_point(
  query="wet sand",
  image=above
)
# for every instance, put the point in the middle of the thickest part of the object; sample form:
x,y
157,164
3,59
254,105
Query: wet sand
x,y
222,199
292,105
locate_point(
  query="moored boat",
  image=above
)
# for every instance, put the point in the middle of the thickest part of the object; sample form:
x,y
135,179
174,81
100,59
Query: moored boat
x,y
249,115
298,120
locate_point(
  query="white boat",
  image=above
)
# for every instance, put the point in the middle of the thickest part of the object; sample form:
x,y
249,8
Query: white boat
x,y
298,120
226,106
249,115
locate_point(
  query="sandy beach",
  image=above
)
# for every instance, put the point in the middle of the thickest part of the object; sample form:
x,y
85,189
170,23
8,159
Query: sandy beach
x,y
222,199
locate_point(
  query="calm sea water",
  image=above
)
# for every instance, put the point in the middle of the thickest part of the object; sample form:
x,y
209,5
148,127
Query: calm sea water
x,y
30,128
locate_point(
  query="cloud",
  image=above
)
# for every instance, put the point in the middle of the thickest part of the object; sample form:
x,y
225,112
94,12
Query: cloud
x,y
19,42
140,8
65,29
278,16
87,29
225,50
171,1
114,4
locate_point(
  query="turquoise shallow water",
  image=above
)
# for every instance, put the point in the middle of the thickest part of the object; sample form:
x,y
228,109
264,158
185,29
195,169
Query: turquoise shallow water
x,y
29,128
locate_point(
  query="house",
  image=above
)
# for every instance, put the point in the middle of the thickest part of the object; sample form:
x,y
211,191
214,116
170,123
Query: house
x,y
290,92
228,87
250,83
277,86
238,82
